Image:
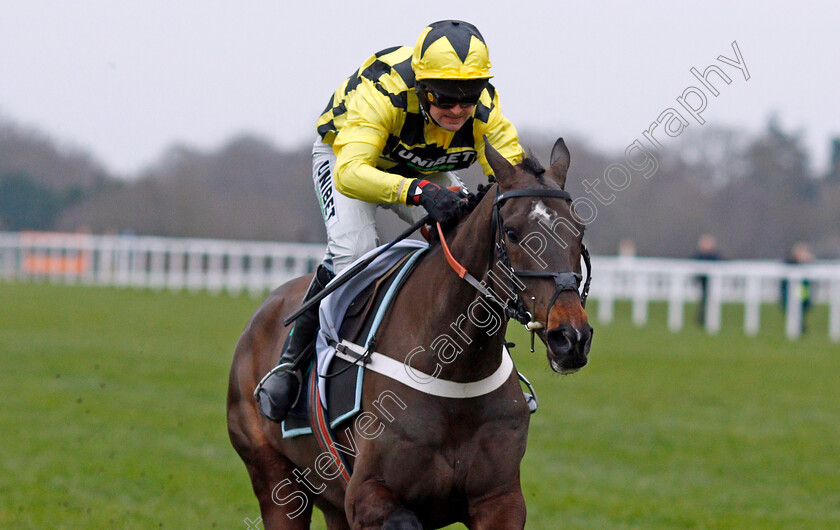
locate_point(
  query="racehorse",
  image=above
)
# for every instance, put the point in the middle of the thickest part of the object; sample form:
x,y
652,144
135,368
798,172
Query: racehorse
x,y
433,460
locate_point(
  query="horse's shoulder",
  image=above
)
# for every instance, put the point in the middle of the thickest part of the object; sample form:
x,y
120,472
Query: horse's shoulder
x,y
268,317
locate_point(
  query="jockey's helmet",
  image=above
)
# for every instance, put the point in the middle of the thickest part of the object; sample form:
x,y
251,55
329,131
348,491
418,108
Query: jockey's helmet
x,y
451,63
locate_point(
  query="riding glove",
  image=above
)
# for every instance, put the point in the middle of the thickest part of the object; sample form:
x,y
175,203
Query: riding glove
x,y
442,204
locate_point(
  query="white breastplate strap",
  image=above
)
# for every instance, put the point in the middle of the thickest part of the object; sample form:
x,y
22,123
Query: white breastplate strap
x,y
426,383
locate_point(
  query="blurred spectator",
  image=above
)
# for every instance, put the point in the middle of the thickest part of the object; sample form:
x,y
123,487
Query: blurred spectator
x,y
707,250
800,254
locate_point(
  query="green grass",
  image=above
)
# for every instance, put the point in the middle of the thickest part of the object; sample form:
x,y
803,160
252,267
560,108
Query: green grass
x,y
113,417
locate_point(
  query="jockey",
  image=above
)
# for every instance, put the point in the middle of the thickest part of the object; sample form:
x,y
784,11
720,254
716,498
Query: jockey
x,y
391,136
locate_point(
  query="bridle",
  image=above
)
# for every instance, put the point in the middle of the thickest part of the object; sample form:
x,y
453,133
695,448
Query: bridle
x,y
515,307
564,281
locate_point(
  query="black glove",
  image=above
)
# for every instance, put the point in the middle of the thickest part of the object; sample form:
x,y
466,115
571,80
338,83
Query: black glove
x,y
443,205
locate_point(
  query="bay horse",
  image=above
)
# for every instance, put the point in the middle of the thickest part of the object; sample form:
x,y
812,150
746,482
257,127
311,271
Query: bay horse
x,y
434,460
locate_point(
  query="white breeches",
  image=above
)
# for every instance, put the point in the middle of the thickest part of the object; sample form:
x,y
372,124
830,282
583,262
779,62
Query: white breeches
x,y
351,223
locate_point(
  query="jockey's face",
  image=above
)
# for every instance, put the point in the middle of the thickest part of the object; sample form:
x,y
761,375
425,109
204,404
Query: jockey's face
x,y
451,119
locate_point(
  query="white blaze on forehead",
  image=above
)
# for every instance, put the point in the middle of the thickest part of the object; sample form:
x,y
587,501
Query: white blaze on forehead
x,y
541,212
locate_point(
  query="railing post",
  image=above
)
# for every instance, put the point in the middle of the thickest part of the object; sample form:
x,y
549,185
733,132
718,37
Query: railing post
x,y
752,306
714,303
53,262
175,276
122,260
606,296
105,262
139,275
9,256
87,263
215,272
676,301
234,275
257,270
69,263
793,320
834,310
157,265
640,297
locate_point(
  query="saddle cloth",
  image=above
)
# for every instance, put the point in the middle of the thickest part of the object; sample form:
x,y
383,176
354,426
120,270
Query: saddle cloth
x,y
353,312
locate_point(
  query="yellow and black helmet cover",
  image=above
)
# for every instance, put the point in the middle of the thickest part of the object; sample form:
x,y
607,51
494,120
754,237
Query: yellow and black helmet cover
x,y
451,49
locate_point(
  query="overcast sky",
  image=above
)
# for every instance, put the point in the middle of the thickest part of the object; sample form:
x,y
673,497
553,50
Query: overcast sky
x,y
125,80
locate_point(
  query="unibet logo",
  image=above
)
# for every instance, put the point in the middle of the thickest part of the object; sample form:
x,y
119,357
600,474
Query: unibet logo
x,y
325,191
445,162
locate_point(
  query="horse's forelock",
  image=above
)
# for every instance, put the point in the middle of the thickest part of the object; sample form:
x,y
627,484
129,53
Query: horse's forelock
x,y
533,166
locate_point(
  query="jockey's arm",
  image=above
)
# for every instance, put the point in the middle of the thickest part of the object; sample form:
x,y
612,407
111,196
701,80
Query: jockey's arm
x,y
370,117
357,176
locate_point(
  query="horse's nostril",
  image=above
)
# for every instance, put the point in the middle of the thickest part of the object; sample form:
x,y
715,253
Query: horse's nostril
x,y
586,338
565,339
562,339
586,334
570,336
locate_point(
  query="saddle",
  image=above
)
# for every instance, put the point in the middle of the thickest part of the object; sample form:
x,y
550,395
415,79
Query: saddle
x,y
344,378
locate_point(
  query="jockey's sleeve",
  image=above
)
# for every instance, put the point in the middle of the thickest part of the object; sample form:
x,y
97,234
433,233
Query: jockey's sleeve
x,y
357,177
500,132
359,144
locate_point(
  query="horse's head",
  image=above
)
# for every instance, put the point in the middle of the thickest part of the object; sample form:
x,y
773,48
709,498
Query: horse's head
x,y
541,237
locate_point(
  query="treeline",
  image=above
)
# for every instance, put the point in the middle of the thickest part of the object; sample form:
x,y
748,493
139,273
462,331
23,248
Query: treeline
x,y
40,179
757,193
247,189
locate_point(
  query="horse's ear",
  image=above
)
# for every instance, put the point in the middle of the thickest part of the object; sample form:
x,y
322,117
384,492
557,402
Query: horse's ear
x,y
560,159
502,169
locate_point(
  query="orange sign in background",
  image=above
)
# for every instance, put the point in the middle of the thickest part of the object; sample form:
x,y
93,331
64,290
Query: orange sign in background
x,y
54,253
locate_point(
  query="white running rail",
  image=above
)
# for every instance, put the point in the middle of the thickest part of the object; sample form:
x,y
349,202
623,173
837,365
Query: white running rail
x,y
236,266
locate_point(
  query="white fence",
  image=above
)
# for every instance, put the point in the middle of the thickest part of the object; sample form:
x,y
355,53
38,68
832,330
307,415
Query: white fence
x,y
751,283
155,262
234,266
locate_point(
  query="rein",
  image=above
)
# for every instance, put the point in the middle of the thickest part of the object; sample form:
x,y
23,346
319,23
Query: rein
x,y
515,308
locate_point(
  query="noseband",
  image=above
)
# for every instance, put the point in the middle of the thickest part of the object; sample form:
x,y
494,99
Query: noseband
x,y
564,281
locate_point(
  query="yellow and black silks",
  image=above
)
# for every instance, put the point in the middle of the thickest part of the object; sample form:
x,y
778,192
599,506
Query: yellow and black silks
x,y
382,138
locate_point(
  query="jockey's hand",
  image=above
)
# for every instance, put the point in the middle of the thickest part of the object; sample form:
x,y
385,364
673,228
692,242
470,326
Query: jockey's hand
x,y
442,204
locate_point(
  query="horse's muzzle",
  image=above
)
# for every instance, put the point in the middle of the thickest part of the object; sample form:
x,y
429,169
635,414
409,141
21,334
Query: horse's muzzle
x,y
568,347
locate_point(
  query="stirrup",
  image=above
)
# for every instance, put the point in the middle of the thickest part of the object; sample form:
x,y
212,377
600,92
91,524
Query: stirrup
x,y
530,399
280,368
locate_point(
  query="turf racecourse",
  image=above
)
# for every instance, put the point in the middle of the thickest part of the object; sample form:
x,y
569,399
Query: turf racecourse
x,y
113,417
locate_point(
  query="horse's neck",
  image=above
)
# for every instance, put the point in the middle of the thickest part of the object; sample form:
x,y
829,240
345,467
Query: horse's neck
x,y
460,320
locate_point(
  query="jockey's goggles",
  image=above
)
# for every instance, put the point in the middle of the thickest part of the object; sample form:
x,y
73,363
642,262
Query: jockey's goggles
x,y
446,93
445,102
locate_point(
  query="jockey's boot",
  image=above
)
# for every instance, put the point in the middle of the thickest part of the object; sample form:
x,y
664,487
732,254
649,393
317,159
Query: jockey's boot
x,y
279,390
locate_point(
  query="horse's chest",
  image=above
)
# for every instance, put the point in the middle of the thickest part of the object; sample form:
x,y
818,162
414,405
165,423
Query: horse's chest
x,y
468,452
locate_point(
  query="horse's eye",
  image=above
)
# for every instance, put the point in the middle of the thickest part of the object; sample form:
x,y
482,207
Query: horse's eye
x,y
512,236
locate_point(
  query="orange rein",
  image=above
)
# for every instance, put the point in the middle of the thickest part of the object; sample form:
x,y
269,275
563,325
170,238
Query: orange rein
x,y
460,270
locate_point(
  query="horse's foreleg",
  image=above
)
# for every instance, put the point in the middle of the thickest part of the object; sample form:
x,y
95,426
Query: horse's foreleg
x,y
334,517
506,510
284,504
371,505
